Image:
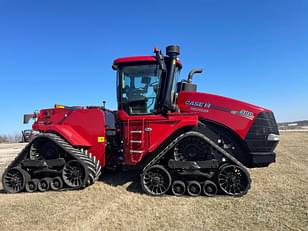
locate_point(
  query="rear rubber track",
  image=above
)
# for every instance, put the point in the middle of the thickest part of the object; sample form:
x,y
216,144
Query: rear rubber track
x,y
89,163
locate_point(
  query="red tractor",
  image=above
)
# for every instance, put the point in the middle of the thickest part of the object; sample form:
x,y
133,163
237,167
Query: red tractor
x,y
180,140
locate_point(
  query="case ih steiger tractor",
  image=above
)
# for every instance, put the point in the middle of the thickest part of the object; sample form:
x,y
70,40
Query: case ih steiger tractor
x,y
180,140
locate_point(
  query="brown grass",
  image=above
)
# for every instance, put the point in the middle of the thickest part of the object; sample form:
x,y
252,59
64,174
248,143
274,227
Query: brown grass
x,y
278,200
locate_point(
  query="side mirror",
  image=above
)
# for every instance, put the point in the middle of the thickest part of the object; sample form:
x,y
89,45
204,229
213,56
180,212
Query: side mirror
x,y
28,117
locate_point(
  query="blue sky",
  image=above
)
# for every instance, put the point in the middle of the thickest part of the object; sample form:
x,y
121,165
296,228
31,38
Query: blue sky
x,y
62,51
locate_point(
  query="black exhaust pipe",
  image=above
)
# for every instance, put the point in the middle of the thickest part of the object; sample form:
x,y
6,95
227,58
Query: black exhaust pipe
x,y
166,103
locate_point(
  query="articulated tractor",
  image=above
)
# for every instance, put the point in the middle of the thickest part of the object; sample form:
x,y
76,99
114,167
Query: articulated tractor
x,y
181,141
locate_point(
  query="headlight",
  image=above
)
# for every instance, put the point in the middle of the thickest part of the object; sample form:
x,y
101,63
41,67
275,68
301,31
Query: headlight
x,y
273,137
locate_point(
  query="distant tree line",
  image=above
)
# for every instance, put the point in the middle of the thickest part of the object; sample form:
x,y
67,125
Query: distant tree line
x,y
11,138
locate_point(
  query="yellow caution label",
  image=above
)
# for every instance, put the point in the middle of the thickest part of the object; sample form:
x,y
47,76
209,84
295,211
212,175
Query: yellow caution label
x,y
101,139
174,61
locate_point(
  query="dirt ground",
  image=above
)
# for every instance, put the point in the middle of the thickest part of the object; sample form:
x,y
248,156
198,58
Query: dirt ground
x,y
278,200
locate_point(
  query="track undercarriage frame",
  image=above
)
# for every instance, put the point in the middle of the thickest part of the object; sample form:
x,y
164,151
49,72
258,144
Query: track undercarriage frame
x,y
211,173
50,162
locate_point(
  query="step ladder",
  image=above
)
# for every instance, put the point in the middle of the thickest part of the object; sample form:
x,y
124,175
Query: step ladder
x,y
136,139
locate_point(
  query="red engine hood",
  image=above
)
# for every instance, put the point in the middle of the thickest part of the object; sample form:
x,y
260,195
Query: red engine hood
x,y
81,127
234,114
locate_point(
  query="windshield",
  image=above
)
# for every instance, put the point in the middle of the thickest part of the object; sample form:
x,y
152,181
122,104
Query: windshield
x,y
138,88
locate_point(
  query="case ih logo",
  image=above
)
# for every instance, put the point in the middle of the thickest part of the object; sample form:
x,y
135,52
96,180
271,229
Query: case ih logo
x,y
197,104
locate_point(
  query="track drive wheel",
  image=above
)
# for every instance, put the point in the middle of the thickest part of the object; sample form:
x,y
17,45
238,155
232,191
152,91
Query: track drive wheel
x,y
156,181
74,174
193,188
178,188
233,180
209,188
14,180
192,148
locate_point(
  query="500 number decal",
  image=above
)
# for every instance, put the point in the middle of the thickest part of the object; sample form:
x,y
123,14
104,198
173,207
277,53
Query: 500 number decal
x,y
246,114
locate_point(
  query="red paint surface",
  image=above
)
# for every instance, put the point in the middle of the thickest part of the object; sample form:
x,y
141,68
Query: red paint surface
x,y
134,59
80,127
161,127
235,122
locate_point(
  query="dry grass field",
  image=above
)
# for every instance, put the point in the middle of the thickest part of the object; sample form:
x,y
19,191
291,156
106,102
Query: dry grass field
x,y
278,200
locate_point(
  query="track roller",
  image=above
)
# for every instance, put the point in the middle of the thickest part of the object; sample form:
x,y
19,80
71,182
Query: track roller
x,y
209,188
44,184
178,188
31,185
14,180
233,180
156,180
194,188
56,183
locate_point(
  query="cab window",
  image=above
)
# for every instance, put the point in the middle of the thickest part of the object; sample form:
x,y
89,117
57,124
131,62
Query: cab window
x,y
139,87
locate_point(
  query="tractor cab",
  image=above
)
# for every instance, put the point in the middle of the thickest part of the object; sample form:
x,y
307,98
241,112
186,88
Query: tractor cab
x,y
138,87
147,84
147,92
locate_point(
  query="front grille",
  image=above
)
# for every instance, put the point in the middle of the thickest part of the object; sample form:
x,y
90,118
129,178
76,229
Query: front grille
x,y
256,138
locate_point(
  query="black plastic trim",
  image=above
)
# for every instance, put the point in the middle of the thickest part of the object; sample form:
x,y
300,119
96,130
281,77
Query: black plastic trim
x,y
262,159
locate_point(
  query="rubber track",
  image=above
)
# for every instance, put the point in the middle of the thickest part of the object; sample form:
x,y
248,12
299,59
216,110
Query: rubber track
x,y
91,164
207,139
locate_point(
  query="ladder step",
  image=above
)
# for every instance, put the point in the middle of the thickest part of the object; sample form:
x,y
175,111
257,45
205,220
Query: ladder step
x,y
136,131
136,141
136,151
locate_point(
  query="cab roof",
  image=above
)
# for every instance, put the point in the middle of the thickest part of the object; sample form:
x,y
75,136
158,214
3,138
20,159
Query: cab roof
x,y
137,59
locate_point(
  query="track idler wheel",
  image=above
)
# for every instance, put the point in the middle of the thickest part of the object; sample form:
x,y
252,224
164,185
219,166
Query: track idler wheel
x,y
74,174
209,188
56,183
193,188
31,185
14,180
233,180
178,188
44,184
156,181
